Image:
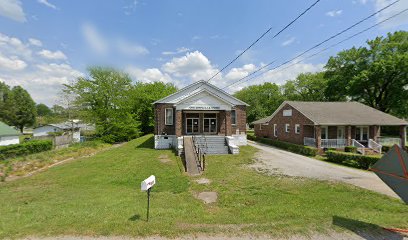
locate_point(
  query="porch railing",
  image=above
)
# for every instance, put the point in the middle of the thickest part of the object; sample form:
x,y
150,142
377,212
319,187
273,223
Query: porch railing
x,y
307,141
374,145
333,143
386,141
360,147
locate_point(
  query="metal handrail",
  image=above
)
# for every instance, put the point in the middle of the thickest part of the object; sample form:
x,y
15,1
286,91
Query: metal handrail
x,y
374,145
360,147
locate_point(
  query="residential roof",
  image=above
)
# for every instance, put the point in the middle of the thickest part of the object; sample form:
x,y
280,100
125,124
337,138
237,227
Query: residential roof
x,y
199,87
263,120
342,113
6,130
69,125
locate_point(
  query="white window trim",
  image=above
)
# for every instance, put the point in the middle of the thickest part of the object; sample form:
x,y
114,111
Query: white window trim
x,y
165,116
287,126
275,130
297,128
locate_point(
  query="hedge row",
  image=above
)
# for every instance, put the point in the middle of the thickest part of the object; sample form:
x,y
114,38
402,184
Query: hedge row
x,y
25,148
304,150
351,159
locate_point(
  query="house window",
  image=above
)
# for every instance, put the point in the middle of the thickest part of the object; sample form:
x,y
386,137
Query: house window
x,y
233,117
297,128
287,113
275,130
287,127
169,116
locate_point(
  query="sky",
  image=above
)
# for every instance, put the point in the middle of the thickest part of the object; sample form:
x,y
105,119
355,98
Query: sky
x,y
46,43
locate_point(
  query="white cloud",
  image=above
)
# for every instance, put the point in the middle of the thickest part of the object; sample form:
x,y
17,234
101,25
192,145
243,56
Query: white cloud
x,y
42,80
35,42
238,73
131,8
394,9
131,49
94,39
149,75
46,3
278,76
193,66
289,41
334,13
57,55
12,63
12,9
178,51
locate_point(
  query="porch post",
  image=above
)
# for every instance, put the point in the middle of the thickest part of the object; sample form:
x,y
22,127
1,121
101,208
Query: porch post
x,y
348,135
179,123
376,132
228,127
318,136
403,136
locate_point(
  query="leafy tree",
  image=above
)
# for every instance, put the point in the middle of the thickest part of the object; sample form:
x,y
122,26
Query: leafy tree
x,y
376,75
105,99
263,100
144,94
306,87
24,108
6,104
43,110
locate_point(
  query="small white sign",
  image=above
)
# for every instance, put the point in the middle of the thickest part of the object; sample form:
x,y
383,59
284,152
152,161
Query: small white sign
x,y
148,183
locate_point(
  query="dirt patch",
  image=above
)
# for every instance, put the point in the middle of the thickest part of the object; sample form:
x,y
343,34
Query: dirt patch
x,y
205,181
207,197
164,158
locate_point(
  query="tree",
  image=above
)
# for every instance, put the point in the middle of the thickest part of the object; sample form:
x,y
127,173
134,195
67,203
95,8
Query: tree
x,y
263,100
6,104
376,75
24,108
43,110
306,87
105,99
144,94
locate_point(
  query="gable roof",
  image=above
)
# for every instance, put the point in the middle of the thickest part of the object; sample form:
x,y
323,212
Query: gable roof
x,y
342,113
197,88
6,130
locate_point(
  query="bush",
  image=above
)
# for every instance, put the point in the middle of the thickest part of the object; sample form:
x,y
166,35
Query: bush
x,y
304,150
385,149
352,159
25,148
251,137
351,149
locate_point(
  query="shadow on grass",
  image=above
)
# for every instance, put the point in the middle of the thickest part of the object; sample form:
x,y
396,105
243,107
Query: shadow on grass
x,y
134,218
365,230
148,143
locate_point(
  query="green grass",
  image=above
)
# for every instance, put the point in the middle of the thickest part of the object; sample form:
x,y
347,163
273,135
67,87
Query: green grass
x,y
101,195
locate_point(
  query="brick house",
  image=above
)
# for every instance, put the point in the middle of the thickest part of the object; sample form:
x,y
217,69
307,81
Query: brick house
x,y
199,109
330,125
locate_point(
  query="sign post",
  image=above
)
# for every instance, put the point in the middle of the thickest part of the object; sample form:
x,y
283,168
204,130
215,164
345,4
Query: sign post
x,y
147,185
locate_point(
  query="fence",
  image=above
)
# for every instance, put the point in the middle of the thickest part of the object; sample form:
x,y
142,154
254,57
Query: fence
x,y
58,141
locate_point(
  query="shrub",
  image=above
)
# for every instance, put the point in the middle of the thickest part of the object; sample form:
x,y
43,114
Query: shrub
x,y
351,149
304,150
386,148
251,137
352,159
25,148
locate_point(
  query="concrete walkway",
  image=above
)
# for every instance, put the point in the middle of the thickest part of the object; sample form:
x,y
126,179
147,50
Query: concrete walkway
x,y
280,162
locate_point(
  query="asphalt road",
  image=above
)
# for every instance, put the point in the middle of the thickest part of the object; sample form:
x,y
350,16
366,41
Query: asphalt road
x,y
280,162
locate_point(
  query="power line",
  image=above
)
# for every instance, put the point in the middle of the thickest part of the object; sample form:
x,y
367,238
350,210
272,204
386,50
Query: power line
x,y
344,40
274,36
315,46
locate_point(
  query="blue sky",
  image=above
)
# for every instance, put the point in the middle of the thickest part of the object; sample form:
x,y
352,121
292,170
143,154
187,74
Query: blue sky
x,y
45,43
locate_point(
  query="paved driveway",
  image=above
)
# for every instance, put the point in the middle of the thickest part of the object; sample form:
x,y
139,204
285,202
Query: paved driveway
x,y
281,162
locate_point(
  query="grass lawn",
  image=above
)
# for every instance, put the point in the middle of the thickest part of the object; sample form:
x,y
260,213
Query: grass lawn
x,y
101,195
